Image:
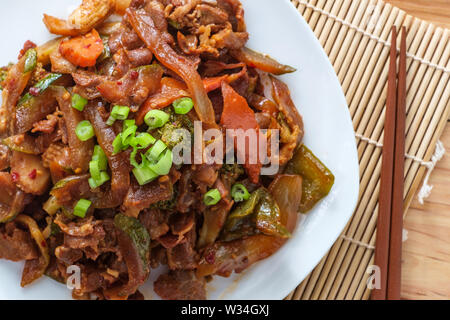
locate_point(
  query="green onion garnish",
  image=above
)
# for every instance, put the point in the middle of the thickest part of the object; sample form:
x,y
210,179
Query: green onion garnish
x,y
84,130
100,156
155,151
120,112
81,208
239,192
212,197
128,134
156,119
93,183
78,102
162,167
183,105
30,60
144,174
128,123
117,144
94,169
142,140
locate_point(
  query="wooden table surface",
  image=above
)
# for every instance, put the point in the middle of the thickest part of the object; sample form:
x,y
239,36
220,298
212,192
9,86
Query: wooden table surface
x,y
426,252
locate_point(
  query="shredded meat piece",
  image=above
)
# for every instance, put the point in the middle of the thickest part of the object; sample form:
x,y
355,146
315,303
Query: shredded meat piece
x,y
155,221
16,244
180,285
183,255
48,125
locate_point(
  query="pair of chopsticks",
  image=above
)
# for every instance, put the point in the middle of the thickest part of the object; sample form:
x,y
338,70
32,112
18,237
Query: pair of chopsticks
x,y
388,248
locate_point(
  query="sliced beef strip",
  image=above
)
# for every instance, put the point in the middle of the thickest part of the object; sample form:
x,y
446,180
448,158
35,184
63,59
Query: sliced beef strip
x,y
180,285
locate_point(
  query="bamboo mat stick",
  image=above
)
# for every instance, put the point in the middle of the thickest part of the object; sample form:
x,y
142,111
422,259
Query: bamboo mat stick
x,y
347,11
328,22
330,6
347,55
347,34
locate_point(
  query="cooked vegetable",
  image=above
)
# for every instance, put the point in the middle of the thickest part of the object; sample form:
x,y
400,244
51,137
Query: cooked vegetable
x,y
83,50
84,130
30,60
81,208
39,87
44,51
13,86
163,164
317,178
78,102
263,62
23,143
33,110
183,105
239,192
237,114
34,269
118,113
32,176
156,119
212,197
87,16
97,182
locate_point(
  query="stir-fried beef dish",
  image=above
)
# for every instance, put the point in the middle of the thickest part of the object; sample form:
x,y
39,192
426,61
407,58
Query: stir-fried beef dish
x,y
91,124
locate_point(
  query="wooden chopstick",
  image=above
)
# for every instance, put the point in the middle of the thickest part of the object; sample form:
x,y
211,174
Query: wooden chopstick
x,y
395,246
386,180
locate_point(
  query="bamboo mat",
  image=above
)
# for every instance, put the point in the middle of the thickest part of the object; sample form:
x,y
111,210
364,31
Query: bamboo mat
x,y
356,36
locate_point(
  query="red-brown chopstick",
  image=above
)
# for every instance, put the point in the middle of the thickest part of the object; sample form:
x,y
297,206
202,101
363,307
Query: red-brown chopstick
x,y
395,246
387,169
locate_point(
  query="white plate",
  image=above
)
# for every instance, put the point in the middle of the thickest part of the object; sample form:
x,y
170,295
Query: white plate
x,y
275,28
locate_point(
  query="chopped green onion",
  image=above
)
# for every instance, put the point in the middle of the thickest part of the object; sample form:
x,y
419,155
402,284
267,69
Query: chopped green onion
x,y
144,174
128,123
142,140
155,151
127,135
239,192
212,197
93,183
84,130
162,167
120,112
183,105
117,144
81,208
100,156
94,169
42,85
30,60
78,102
133,161
110,121
156,119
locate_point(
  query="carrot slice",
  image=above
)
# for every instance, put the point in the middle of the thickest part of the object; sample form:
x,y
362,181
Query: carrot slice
x,y
238,115
83,50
